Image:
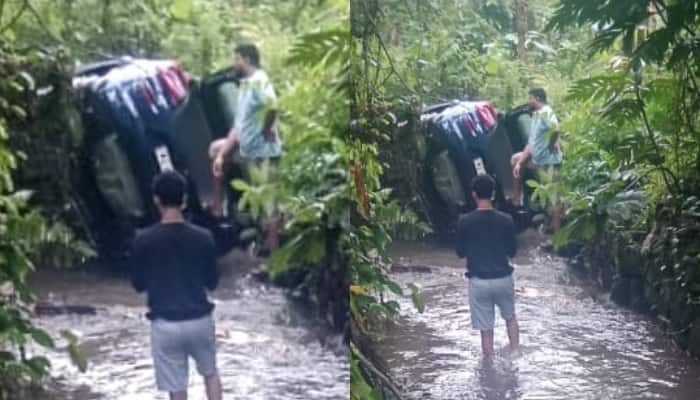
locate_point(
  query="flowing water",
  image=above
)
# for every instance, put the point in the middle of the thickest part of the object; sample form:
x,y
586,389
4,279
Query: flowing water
x,y
575,343
267,347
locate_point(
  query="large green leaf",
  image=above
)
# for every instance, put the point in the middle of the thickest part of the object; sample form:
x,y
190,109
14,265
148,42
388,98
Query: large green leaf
x,y
394,287
76,354
40,336
181,9
37,367
417,297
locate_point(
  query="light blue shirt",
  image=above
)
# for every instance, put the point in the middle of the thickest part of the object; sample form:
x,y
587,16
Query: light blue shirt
x,y
255,98
542,125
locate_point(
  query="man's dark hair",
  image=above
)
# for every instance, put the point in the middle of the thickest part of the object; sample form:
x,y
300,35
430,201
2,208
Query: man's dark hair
x,y
483,186
169,187
539,94
249,51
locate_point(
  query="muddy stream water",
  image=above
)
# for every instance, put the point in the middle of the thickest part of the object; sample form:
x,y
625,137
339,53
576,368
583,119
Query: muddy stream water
x,y
267,346
575,343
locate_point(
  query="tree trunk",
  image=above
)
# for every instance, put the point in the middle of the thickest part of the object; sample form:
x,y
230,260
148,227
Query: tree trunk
x,y
521,27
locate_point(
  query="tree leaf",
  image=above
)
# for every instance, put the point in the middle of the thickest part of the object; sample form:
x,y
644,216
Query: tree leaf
x,y
38,367
43,338
394,287
417,297
181,9
6,356
240,185
356,289
76,355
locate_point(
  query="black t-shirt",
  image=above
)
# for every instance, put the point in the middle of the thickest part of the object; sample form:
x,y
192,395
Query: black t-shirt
x,y
487,238
175,263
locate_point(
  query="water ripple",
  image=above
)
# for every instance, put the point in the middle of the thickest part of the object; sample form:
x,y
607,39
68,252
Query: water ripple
x,y
266,349
574,346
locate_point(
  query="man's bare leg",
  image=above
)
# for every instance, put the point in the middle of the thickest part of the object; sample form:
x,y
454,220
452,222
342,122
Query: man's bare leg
x,y
217,197
216,206
555,215
218,182
517,181
272,232
487,343
513,334
178,395
213,385
517,185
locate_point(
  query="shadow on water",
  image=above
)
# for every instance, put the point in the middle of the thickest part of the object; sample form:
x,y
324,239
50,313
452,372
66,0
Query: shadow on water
x,y
575,343
267,347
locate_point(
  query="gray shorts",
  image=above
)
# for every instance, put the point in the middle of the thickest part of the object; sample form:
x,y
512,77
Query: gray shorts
x,y
484,294
172,342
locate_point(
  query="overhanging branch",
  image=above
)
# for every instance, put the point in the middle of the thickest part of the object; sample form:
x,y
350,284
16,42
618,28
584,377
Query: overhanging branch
x,y
382,45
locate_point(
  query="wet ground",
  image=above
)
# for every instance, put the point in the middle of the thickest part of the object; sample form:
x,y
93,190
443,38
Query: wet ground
x,y
575,343
267,347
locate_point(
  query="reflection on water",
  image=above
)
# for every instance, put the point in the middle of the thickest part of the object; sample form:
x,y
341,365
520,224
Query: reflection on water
x,y
267,348
498,379
574,346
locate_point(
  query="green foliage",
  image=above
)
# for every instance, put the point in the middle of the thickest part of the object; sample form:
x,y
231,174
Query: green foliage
x,y
404,223
359,388
671,41
442,49
380,89
315,191
23,235
310,185
367,250
629,128
40,133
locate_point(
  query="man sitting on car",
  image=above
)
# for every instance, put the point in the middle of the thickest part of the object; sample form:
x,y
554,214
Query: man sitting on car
x,y
254,133
542,152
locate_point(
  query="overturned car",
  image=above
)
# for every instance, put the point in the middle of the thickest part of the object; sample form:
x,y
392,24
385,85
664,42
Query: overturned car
x,y
141,117
465,138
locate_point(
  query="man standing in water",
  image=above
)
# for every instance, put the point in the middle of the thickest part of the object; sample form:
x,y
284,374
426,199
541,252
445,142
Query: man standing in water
x,y
174,262
542,152
487,238
254,131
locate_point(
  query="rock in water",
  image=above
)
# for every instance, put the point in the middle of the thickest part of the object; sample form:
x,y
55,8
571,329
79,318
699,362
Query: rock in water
x,y
43,309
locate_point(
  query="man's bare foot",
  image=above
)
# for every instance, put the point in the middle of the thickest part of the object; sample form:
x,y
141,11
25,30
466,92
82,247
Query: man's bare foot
x,y
513,354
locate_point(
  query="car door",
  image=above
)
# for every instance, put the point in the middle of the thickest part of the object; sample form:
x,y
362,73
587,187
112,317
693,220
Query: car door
x,y
218,93
206,116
